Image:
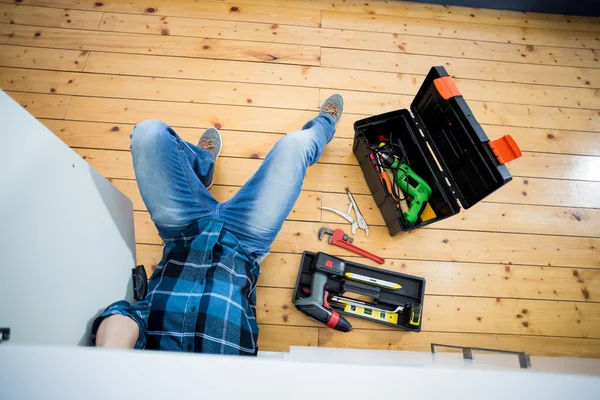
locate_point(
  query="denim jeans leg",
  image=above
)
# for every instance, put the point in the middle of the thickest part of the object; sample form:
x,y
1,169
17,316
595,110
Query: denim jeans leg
x,y
256,213
168,172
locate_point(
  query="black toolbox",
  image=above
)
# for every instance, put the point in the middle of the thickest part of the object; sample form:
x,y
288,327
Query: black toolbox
x,y
412,290
469,166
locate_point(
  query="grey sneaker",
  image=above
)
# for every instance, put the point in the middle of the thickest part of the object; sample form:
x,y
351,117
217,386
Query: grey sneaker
x,y
211,141
334,106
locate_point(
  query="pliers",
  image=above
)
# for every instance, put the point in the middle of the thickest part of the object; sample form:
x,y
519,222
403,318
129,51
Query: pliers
x,y
359,222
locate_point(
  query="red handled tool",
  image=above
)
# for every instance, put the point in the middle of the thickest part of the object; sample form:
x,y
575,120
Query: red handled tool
x,y
339,238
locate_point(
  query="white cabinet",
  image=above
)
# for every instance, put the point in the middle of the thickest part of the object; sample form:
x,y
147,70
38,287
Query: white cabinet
x,y
66,235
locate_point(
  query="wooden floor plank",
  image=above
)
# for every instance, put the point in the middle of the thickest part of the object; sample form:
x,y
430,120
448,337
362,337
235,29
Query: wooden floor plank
x,y
296,237
443,278
397,43
117,164
462,68
488,217
531,165
233,171
255,119
486,112
103,85
32,57
43,16
204,9
494,217
430,244
460,279
400,340
548,192
579,198
542,192
461,30
497,217
339,78
42,105
280,338
134,87
461,314
281,120
101,135
238,144
518,270
305,12
75,39
483,16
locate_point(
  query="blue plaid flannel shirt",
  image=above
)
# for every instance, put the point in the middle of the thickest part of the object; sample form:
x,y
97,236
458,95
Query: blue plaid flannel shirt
x,y
201,297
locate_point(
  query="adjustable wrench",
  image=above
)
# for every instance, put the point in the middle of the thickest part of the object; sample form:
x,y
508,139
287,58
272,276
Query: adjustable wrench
x,y
340,239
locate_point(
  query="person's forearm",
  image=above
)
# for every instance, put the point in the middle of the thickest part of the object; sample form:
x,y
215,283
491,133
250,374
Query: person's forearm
x,y
117,331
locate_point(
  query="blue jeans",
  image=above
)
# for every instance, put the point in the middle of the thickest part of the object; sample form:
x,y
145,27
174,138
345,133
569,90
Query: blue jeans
x,y
171,175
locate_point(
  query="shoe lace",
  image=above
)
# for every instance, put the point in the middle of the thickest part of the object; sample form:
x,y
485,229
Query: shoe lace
x,y
208,144
331,109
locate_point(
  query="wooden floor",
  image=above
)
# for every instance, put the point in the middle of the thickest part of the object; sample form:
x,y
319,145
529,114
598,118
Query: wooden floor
x,y
519,271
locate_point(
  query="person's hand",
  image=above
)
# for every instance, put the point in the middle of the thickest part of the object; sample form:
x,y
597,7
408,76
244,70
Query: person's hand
x,y
117,331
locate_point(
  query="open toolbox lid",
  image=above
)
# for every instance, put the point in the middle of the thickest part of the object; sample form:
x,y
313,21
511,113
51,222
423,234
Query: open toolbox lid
x,y
472,163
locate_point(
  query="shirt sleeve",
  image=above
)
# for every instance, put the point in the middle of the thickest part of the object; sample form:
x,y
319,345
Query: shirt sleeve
x,y
138,312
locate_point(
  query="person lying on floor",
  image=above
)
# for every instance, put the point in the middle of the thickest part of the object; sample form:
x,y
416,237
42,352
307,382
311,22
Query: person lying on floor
x,y
202,295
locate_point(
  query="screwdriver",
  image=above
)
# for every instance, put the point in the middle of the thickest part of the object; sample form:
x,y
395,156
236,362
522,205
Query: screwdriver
x,y
372,281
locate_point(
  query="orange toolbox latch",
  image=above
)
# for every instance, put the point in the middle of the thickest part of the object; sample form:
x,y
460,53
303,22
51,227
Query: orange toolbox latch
x,y
505,149
446,87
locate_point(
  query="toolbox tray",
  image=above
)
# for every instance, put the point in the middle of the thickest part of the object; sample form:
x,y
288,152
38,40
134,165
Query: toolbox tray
x,y
412,291
444,144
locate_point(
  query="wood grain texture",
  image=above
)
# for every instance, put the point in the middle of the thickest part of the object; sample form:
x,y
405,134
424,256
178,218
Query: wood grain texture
x,y
461,30
462,68
430,244
460,279
443,245
304,11
494,217
75,39
254,145
204,9
280,338
340,78
388,42
117,164
549,192
486,112
519,270
42,105
54,17
257,119
134,87
471,314
399,340
257,144
32,57
488,18
232,171
444,278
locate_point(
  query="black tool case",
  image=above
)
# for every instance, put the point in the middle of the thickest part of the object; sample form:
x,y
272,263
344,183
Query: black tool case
x,y
442,127
412,291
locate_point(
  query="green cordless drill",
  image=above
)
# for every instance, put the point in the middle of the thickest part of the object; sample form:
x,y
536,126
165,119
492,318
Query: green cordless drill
x,y
409,182
413,185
